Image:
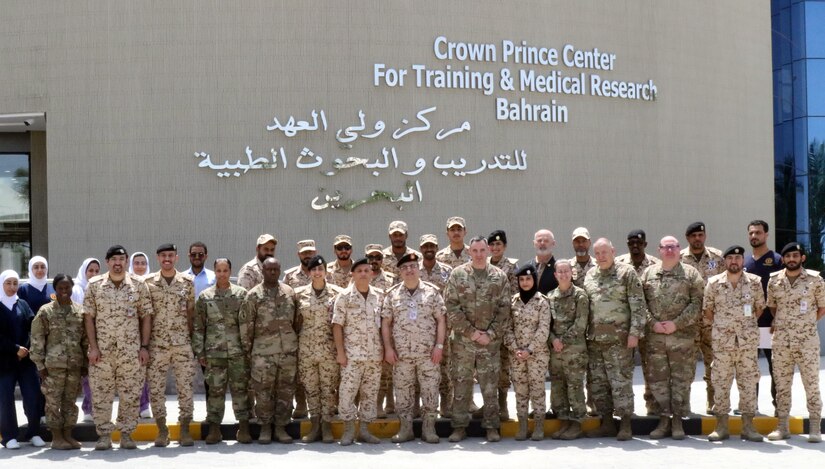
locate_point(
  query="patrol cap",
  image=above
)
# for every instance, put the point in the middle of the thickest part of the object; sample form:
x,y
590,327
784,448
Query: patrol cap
x,y
735,249
498,235
398,226
342,239
306,245
371,248
428,239
528,269
455,221
790,247
166,247
695,227
361,261
409,257
637,234
116,250
265,238
581,232
316,261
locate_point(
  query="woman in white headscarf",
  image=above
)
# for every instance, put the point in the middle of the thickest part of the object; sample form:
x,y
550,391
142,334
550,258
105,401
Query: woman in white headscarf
x,y
139,265
16,368
88,269
37,291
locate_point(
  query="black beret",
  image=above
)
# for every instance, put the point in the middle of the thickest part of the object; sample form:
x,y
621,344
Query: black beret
x,y
498,235
316,261
409,257
792,247
166,247
734,250
528,269
116,250
361,261
637,234
695,227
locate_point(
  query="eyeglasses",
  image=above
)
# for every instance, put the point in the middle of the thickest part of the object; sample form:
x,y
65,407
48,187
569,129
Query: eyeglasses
x,y
409,266
343,247
669,247
197,254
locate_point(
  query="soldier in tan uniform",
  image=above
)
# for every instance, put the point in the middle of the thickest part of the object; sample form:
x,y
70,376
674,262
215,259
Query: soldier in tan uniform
x,y
173,301
251,273
216,343
526,339
118,320
734,301
583,261
708,261
269,325
57,345
456,253
339,271
413,328
295,277
796,297
497,241
673,292
382,280
356,330
318,371
397,249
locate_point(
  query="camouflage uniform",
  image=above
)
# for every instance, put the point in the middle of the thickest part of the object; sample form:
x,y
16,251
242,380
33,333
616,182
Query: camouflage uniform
x,y
795,338
116,312
317,368
446,256
735,339
170,344
509,267
251,274
268,337
647,262
58,343
360,319
674,295
414,329
570,311
579,272
528,329
383,281
296,277
217,338
476,303
617,310
337,275
390,261
438,277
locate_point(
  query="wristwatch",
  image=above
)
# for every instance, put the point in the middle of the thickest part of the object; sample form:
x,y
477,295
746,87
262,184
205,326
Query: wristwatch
x,y
439,346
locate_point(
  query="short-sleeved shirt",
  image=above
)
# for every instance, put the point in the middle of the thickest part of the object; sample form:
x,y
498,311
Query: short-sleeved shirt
x,y
251,274
296,277
796,309
117,311
769,263
734,311
315,338
338,275
390,262
529,324
414,318
447,256
170,302
360,319
203,280
579,271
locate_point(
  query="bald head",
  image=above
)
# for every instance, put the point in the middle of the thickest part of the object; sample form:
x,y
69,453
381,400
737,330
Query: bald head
x,y
271,270
604,253
669,251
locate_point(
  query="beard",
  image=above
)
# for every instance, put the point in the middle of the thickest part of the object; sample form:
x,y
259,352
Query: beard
x,y
793,266
581,253
734,269
755,243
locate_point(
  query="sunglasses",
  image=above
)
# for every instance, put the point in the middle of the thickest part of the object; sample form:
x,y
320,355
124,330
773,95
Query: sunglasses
x,y
343,247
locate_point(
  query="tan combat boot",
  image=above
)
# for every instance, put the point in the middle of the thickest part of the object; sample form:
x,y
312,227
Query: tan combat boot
x,y
243,435
162,440
58,440
104,442
185,437
214,436
493,435
538,428
364,435
457,435
814,431
721,432
503,412
565,424
677,431
67,435
428,433
300,411
573,432
349,433
314,430
748,431
126,441
781,432
326,432
521,434
625,430
265,437
281,435
405,431
662,430
606,429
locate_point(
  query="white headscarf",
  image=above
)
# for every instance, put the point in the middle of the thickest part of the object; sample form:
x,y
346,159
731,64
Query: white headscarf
x,y
8,301
132,258
38,283
81,281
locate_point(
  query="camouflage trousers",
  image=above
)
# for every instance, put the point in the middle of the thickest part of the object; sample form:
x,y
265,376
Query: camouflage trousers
x,y
408,372
385,384
807,359
505,377
611,377
181,360
121,373
272,377
671,362
61,388
528,382
445,385
650,402
363,377
232,372
705,345
742,363
567,373
485,361
320,376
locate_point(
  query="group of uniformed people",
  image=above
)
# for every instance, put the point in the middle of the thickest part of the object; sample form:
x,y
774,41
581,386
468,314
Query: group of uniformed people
x,y
408,331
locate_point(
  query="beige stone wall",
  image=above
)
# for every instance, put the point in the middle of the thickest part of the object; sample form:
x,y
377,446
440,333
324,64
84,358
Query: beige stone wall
x,y
133,89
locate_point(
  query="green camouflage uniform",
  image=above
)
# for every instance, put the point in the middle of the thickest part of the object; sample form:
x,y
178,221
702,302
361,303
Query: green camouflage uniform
x,y
570,312
510,267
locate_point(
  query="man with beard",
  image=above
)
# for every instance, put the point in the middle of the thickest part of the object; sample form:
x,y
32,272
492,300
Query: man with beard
x,y
796,297
457,252
203,277
338,271
251,273
382,281
544,262
298,276
397,249
582,263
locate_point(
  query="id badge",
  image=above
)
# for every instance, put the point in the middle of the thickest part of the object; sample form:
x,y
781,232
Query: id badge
x,y
803,306
412,313
748,310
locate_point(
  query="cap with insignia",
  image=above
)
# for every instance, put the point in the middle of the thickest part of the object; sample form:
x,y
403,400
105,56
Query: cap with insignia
x,y
734,250
306,245
498,235
371,248
695,227
428,238
398,226
792,247
637,234
409,257
581,232
266,238
116,250
455,221
316,261
528,269
361,261
342,239
166,247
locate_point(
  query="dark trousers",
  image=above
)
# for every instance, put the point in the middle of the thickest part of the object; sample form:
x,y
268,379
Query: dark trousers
x,y
768,356
26,376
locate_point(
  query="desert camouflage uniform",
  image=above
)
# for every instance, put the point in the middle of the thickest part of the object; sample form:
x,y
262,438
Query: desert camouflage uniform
x,y
389,264
296,277
383,281
647,262
438,277
446,256
338,276
570,312
579,272
528,329
251,274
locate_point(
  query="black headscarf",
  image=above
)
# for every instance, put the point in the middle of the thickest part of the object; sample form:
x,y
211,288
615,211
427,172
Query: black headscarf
x,y
527,295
